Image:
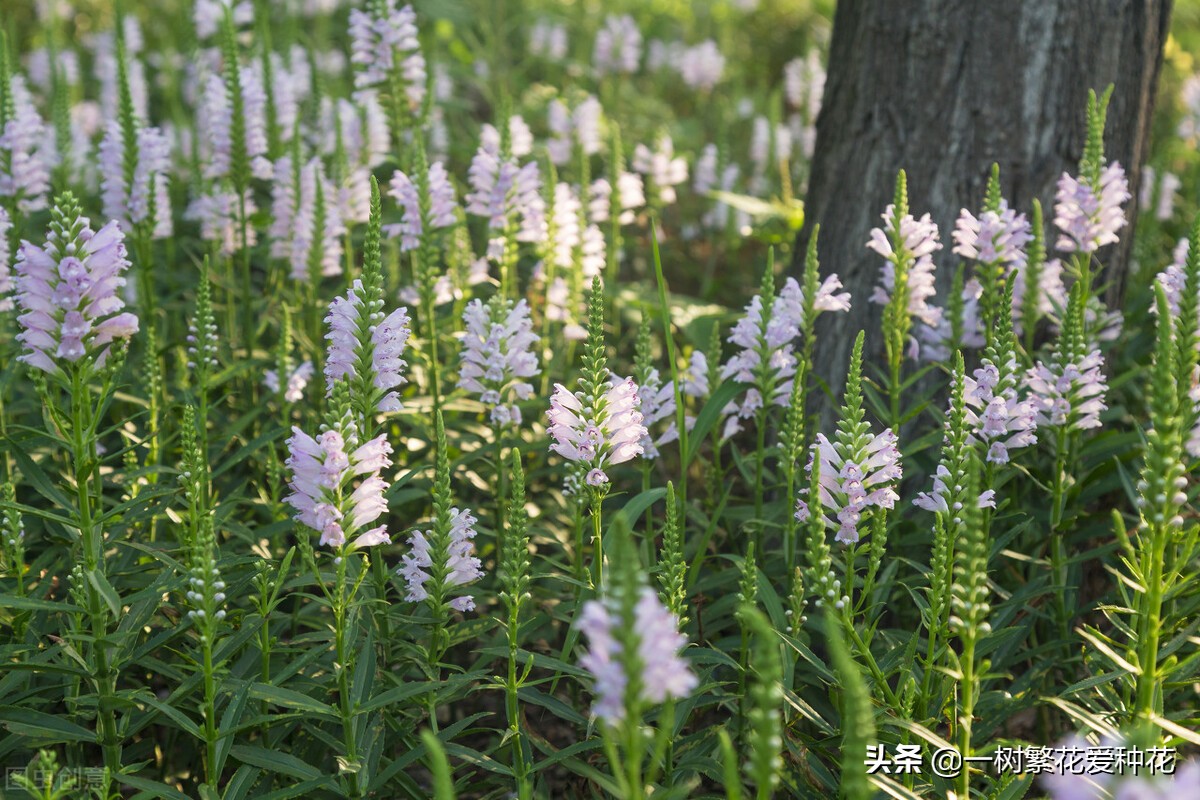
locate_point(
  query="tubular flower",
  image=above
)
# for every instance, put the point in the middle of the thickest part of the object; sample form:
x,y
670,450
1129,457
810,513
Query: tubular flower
x,y
936,342
442,205
995,237
664,170
1051,293
508,194
312,250
216,127
383,43
1090,216
293,391
150,191
361,336
658,404
497,360
25,151
218,214
996,415
461,567
1070,394
323,473
654,634
599,433
67,292
6,281
920,242
856,474
702,65
618,46
936,500
283,207
767,359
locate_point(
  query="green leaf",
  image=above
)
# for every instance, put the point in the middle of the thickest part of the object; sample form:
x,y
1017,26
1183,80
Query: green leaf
x,y
291,699
708,417
42,727
154,787
275,761
33,604
106,590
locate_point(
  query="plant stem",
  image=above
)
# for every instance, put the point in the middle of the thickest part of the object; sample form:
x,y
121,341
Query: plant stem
x,y
597,543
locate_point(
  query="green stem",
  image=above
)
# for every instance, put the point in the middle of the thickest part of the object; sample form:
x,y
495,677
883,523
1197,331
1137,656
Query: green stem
x,y
210,713
597,543
344,669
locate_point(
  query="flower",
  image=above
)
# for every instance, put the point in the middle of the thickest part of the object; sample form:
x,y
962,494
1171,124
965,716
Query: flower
x,y
618,46
322,472
548,40
25,144
383,43
1090,216
856,474
442,205
919,241
216,127
1050,292
217,213
151,179
664,170
357,330
1069,394
1003,421
772,339
208,14
6,282
995,237
67,291
496,356
601,432
293,392
658,404
936,500
313,249
508,194
695,376
460,569
702,65
654,633
936,342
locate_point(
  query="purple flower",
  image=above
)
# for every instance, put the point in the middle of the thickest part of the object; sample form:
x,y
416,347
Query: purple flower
x,y
25,151
1090,216
67,292
855,475
936,342
383,42
323,471
209,14
996,415
6,281
132,205
600,433
461,567
1070,394
354,332
1050,292
508,194
995,237
548,40
216,127
702,65
442,205
293,392
664,170
936,500
217,213
324,245
496,356
654,634
773,339
658,404
919,241
618,46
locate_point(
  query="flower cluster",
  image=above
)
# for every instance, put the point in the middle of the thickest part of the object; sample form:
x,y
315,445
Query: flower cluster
x,y
568,127
618,46
994,237
25,154
654,636
1069,394
661,167
317,228
384,45
918,241
702,65
461,567
597,431
442,205
322,473
148,197
367,346
856,474
1089,216
67,291
297,380
496,359
997,416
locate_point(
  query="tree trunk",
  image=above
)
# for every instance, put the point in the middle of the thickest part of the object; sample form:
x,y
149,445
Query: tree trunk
x,y
944,88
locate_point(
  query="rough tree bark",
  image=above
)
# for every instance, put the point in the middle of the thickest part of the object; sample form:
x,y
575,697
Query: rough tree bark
x,y
944,88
